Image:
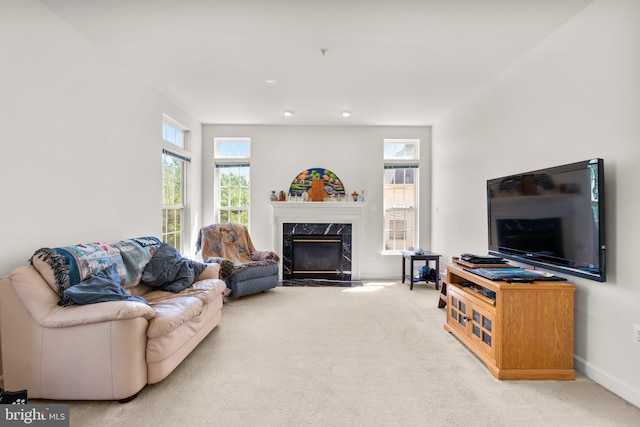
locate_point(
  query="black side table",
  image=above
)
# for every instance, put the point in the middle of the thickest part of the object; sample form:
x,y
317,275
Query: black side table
x,y
426,257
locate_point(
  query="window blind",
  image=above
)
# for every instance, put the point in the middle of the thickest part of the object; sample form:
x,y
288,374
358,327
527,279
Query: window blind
x,y
176,155
231,165
409,166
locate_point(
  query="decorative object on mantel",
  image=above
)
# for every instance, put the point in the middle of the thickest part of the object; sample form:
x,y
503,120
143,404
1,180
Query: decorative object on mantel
x,y
328,182
282,196
317,191
355,196
272,196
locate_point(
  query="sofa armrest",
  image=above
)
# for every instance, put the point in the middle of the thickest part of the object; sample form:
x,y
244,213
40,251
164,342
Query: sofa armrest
x,y
42,303
211,271
265,256
63,317
226,265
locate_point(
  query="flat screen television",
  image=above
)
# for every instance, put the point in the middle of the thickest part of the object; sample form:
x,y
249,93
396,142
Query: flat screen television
x,y
552,218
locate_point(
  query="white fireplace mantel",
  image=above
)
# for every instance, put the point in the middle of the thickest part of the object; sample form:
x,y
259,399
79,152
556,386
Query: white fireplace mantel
x,y
322,212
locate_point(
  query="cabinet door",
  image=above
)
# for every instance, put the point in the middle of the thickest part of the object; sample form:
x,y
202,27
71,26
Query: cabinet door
x,y
482,331
457,310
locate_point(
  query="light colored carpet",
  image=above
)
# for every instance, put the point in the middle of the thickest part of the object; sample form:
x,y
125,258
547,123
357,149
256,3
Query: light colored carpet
x,y
375,355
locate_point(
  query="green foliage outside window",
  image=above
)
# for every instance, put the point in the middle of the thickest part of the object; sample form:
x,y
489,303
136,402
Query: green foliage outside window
x,y
172,199
171,227
234,194
171,181
240,217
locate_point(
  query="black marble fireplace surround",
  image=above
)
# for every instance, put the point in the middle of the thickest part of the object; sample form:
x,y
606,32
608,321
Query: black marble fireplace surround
x,y
290,230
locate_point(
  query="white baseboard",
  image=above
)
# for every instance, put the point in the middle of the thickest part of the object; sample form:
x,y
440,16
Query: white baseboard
x,y
615,385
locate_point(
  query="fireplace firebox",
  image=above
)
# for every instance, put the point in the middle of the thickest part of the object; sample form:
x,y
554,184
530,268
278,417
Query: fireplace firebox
x,y
317,256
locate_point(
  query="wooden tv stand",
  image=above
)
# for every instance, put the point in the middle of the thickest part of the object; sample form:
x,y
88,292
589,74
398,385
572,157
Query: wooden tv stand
x,y
525,333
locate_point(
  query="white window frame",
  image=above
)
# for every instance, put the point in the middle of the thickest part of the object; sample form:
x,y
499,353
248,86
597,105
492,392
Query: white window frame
x,y
231,160
395,159
181,153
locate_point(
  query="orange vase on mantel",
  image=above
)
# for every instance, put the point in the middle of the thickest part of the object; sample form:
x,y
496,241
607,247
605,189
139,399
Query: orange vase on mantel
x,y
316,192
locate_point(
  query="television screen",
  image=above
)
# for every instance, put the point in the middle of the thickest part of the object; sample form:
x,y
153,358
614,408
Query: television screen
x,y
552,218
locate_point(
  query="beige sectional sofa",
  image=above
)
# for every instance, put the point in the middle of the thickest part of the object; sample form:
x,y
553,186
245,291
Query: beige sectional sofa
x,y
105,350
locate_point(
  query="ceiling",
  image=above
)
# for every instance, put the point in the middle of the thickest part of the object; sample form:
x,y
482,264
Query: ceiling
x,y
393,62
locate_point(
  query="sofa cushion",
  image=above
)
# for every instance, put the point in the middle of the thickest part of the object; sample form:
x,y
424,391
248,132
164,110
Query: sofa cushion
x,y
204,290
171,313
140,289
99,287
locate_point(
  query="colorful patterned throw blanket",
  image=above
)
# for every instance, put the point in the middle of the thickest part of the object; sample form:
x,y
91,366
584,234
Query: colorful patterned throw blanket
x,y
131,256
70,265
230,245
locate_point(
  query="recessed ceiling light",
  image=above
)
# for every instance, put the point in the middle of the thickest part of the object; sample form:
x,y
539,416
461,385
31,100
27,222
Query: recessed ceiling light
x,y
346,114
288,113
269,81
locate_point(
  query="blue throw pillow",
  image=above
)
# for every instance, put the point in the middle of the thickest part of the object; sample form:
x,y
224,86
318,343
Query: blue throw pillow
x,y
99,287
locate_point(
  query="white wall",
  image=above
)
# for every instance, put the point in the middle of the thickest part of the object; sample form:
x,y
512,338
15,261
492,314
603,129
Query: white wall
x,y
575,96
353,153
81,140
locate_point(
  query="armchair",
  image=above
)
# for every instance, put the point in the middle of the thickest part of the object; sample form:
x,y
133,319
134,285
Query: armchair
x,y
244,269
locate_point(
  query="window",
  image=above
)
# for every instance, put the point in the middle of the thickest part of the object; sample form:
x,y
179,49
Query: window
x,y
398,229
174,172
400,149
173,133
400,194
232,180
